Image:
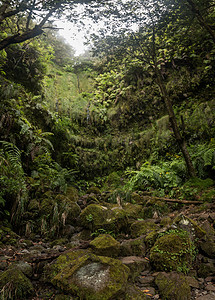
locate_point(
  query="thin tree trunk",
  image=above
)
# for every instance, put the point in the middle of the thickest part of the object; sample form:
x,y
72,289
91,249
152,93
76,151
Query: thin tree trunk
x,y
180,140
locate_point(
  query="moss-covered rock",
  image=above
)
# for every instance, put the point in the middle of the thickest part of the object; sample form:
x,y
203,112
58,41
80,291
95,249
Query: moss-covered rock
x,y
151,238
189,225
94,190
72,193
136,264
132,247
206,269
8,236
133,210
207,243
105,245
88,276
96,216
173,251
133,293
15,285
165,221
173,286
142,227
153,206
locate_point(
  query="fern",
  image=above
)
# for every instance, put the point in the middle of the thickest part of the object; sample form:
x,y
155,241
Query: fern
x,y
13,155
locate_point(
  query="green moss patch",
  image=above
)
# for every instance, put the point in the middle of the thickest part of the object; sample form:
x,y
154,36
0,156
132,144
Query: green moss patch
x,y
173,286
174,251
14,285
105,245
142,227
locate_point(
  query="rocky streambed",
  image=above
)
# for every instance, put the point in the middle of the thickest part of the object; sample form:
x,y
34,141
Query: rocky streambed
x,y
141,249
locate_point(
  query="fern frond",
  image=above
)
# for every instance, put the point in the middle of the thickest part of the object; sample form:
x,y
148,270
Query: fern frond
x,y
13,154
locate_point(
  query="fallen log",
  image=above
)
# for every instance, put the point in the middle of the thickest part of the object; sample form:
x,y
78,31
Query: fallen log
x,y
177,200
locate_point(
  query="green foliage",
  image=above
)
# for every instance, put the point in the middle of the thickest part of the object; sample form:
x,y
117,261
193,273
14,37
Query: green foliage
x,y
13,195
152,176
48,174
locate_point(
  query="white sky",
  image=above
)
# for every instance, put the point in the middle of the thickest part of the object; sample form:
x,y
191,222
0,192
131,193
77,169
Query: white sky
x,y
73,36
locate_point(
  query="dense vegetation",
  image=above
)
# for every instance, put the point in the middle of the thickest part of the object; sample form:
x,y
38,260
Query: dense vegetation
x,y
136,115
75,121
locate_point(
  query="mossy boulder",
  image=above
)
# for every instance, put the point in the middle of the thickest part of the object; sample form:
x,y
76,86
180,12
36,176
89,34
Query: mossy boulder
x,y
151,238
96,216
94,190
173,286
189,225
132,247
142,227
133,293
15,285
174,251
72,194
207,243
133,210
105,245
88,276
7,236
136,264
153,206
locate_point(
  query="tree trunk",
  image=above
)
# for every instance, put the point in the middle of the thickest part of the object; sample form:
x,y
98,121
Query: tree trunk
x,y
180,140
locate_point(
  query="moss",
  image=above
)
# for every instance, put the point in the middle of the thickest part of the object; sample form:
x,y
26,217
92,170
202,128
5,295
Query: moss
x,y
206,270
173,286
200,184
8,237
133,247
153,206
88,276
46,206
61,241
187,224
133,210
142,227
15,285
72,194
95,216
133,293
33,205
173,251
136,198
105,245
94,190
165,221
150,239
61,262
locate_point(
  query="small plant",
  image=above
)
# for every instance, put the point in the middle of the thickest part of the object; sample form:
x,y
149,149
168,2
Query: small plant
x,y
89,218
102,231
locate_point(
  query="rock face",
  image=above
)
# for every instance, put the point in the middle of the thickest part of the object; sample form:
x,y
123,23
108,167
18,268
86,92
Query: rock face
x,y
88,276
